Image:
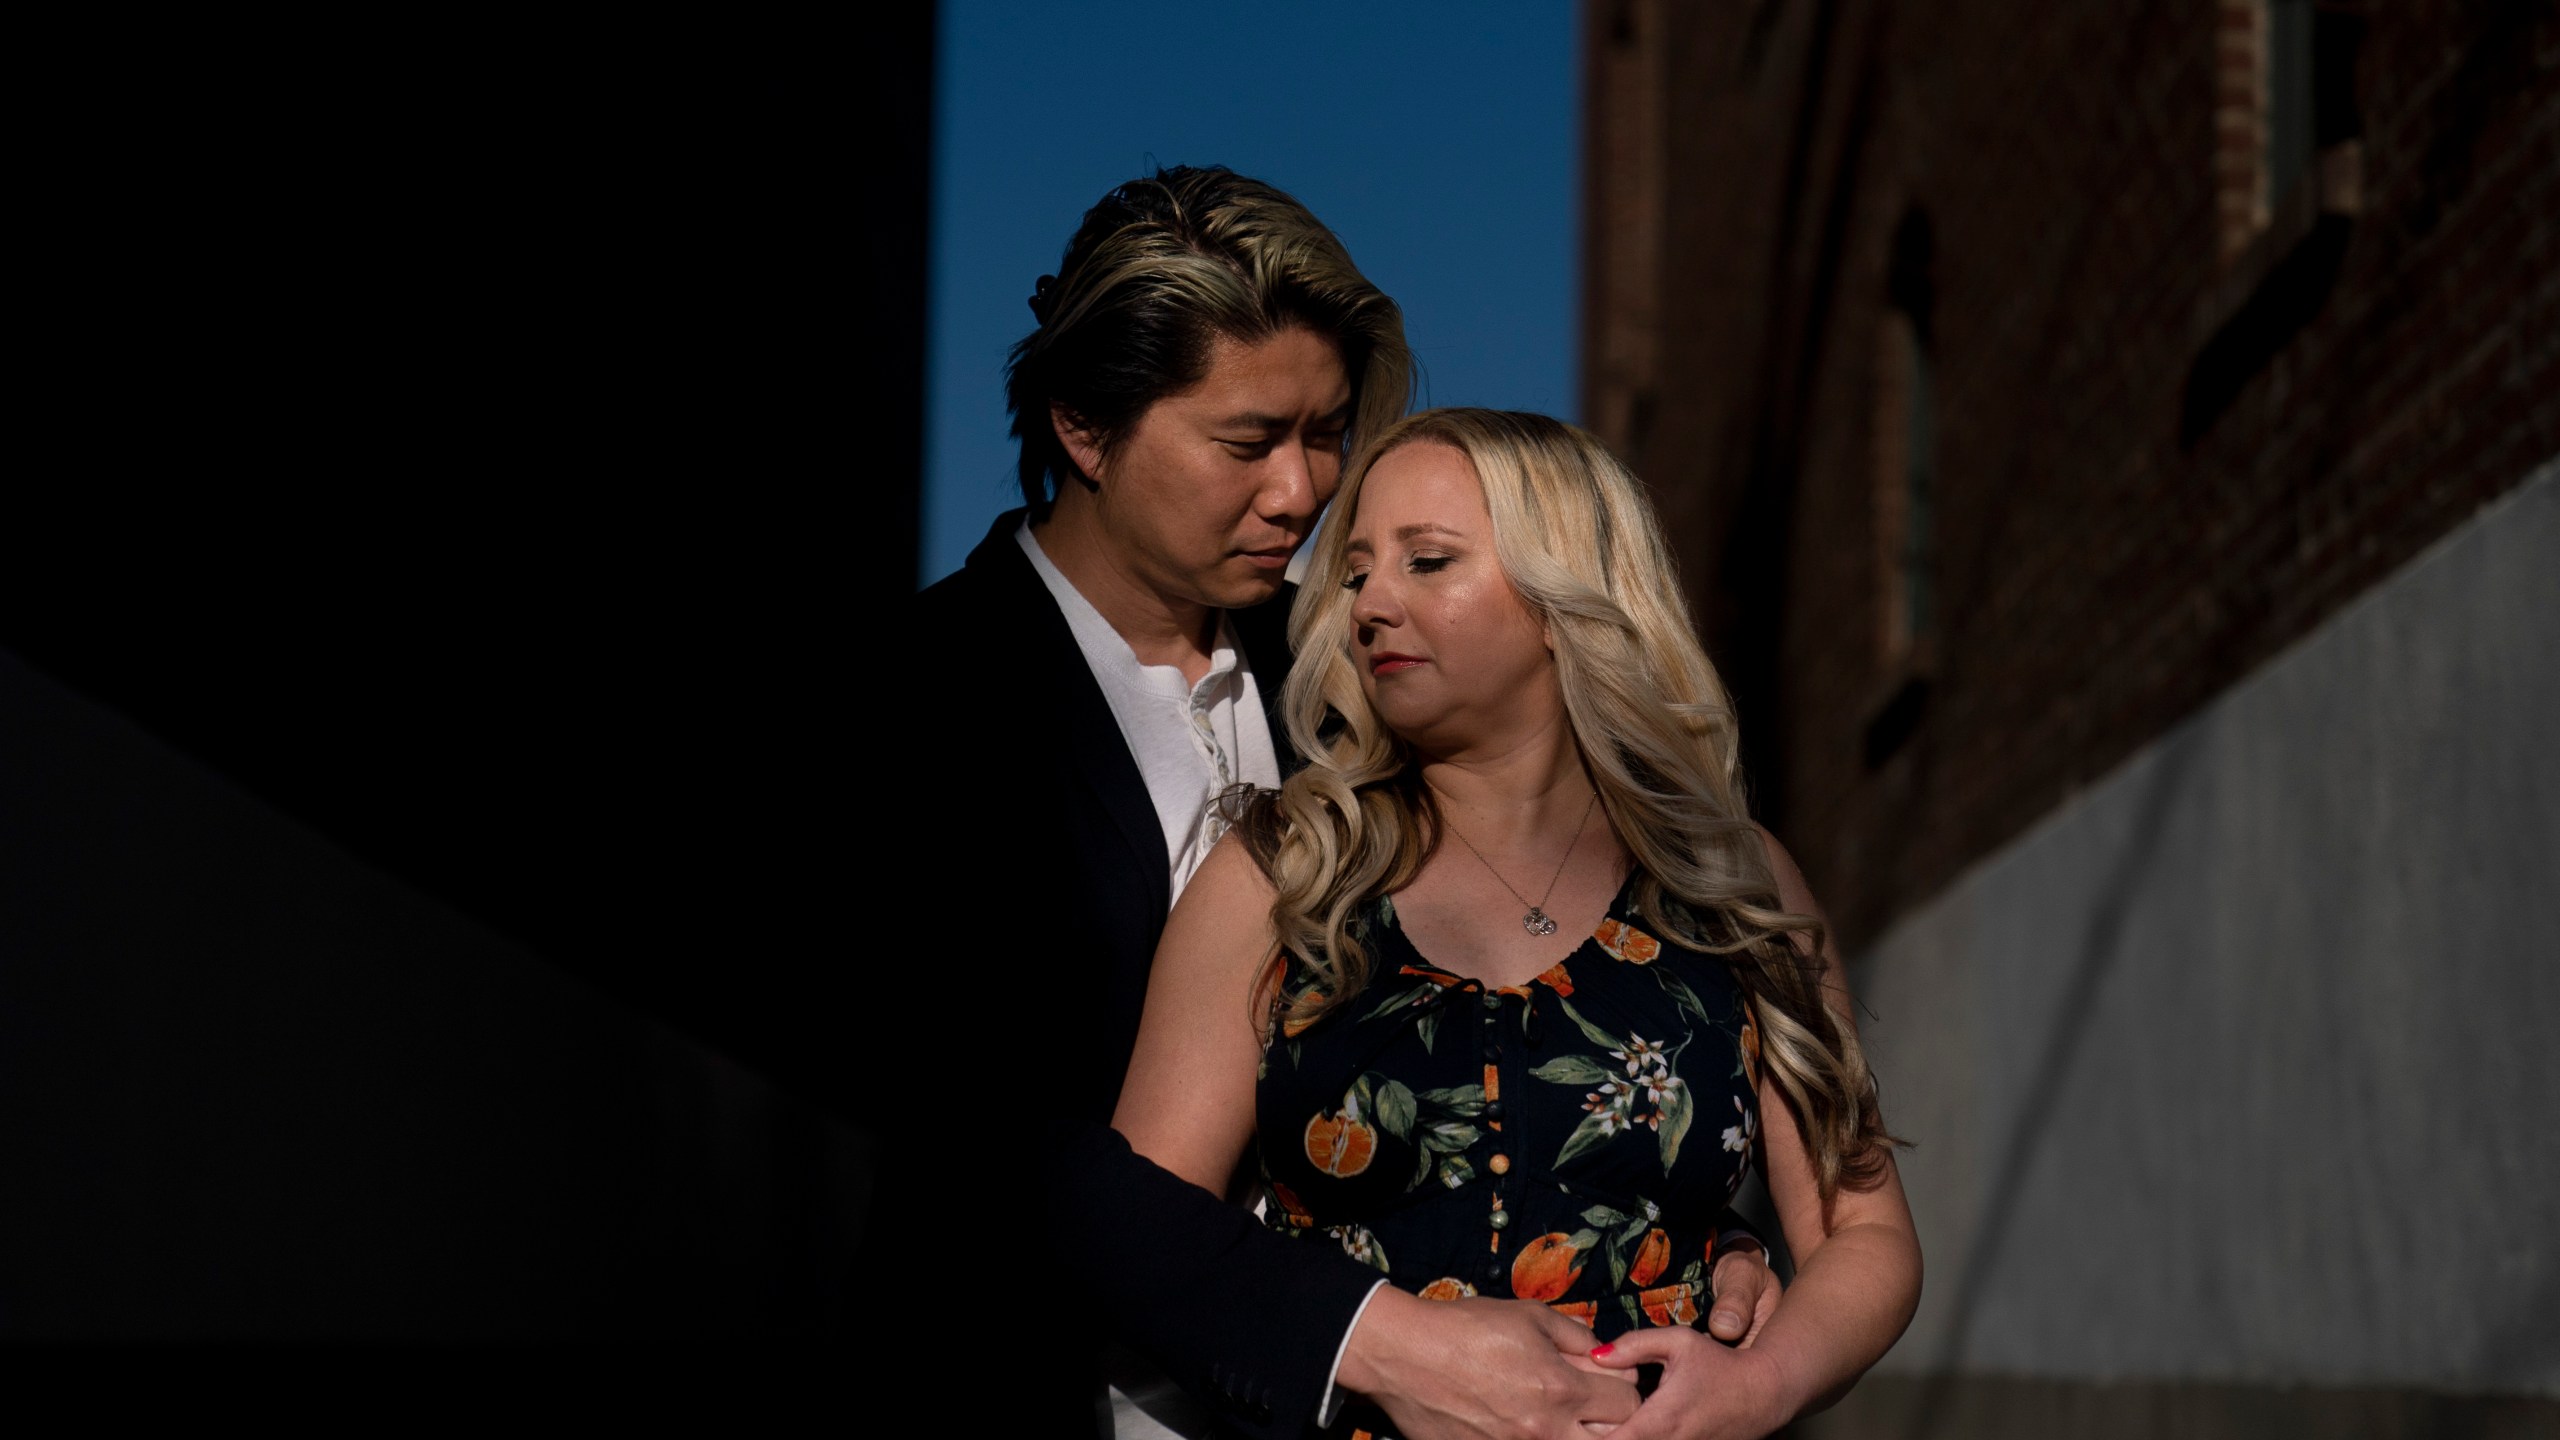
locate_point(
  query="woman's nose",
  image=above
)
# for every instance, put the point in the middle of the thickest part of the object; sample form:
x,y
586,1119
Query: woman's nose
x,y
1376,603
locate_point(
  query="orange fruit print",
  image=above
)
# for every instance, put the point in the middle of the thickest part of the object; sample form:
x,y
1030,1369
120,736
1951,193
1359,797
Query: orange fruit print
x,y
1670,1305
1651,1257
1340,1145
1547,1268
1447,1287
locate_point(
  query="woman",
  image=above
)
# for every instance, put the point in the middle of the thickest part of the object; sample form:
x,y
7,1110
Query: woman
x,y
1533,1063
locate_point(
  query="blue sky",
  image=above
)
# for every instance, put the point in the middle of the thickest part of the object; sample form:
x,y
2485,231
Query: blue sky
x,y
1439,140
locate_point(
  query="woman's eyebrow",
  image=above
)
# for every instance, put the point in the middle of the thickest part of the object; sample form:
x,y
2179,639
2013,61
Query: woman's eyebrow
x,y
1361,546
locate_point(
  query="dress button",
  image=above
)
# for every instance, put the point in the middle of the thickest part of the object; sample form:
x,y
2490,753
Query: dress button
x,y
1501,1220
1499,1164
1493,1110
1493,1054
1493,1272
1492,1001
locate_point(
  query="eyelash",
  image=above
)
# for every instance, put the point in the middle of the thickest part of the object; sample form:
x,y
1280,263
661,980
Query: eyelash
x,y
1256,449
1419,564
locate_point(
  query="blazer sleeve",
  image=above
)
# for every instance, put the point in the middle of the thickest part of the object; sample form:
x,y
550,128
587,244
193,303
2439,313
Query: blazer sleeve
x,y
1236,1314
997,1012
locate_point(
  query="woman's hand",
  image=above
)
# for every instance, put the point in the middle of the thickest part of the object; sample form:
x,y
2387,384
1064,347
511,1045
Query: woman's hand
x,y
1708,1392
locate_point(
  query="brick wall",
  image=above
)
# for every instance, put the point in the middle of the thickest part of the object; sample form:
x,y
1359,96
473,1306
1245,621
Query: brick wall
x,y
2176,426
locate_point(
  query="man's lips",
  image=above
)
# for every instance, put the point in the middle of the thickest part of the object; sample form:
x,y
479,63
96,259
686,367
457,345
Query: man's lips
x,y
1275,558
1388,662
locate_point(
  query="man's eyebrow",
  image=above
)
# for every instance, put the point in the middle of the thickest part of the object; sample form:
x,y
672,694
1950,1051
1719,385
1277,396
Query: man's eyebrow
x,y
1256,420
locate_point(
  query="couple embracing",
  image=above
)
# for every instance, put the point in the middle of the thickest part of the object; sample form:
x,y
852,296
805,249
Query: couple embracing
x,y
1417,902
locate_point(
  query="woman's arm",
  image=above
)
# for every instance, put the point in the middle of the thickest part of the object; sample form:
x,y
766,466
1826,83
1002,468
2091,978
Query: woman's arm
x,y
1188,1101
1857,1277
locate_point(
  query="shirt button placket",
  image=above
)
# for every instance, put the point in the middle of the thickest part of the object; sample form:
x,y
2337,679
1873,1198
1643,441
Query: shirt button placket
x,y
1499,1163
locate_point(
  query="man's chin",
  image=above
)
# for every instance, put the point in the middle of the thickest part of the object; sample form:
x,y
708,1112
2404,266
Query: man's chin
x,y
1243,592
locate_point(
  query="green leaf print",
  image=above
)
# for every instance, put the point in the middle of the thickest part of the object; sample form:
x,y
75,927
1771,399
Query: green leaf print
x,y
1572,1070
1455,1171
1604,1217
1591,1032
1395,1109
1591,1134
1678,989
1397,1001
1449,1136
1428,1027
1677,1111
1463,1101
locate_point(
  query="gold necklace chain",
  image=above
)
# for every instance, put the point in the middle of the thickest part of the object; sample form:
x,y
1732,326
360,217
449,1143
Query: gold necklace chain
x,y
1537,921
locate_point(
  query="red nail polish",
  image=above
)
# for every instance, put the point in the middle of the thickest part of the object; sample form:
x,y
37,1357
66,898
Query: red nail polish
x,y
1599,1350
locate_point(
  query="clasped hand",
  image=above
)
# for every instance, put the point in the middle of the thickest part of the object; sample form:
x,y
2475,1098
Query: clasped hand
x,y
1712,1388
1489,1369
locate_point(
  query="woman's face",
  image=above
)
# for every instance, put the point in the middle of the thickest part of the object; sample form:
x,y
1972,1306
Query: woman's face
x,y
1450,656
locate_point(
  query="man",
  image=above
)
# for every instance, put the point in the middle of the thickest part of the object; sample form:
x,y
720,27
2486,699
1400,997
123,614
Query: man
x,y
1098,673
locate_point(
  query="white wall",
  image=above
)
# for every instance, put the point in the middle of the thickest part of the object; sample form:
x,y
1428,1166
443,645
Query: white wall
x,y
2245,1064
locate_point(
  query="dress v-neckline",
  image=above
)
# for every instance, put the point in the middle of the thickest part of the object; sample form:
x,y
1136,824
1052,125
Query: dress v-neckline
x,y
1595,938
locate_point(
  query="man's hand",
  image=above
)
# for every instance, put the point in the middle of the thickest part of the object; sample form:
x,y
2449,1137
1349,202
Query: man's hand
x,y
1480,1370
1745,1292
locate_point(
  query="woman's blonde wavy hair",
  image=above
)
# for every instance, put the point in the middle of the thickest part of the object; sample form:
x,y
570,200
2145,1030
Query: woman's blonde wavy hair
x,y
1577,538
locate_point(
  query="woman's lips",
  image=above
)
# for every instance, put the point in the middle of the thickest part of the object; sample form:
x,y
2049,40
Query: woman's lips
x,y
1387,662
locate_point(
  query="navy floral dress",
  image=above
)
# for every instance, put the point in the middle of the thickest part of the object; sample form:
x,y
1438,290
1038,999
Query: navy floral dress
x,y
1572,1140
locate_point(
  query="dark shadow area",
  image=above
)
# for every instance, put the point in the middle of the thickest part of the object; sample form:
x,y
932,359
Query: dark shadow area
x,y
1896,721
2285,300
465,474
1754,564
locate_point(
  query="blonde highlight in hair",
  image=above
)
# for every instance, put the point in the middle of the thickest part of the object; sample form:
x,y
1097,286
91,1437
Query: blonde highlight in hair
x,y
1577,538
1159,269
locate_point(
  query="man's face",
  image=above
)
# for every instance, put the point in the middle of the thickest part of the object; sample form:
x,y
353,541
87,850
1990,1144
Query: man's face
x,y
1215,487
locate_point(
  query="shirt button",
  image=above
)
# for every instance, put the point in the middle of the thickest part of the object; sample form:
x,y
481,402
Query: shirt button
x,y
1501,1220
1499,1164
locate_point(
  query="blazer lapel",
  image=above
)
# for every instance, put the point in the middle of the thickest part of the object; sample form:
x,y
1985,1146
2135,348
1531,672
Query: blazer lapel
x,y
1087,734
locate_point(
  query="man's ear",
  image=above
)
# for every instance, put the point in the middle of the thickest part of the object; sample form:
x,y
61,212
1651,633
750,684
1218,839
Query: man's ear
x,y
1083,445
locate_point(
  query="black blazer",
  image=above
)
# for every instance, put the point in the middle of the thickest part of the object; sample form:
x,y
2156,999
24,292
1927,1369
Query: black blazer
x,y
1033,896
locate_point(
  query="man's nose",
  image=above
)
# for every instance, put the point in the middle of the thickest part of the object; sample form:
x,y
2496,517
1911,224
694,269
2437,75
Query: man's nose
x,y
1289,487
